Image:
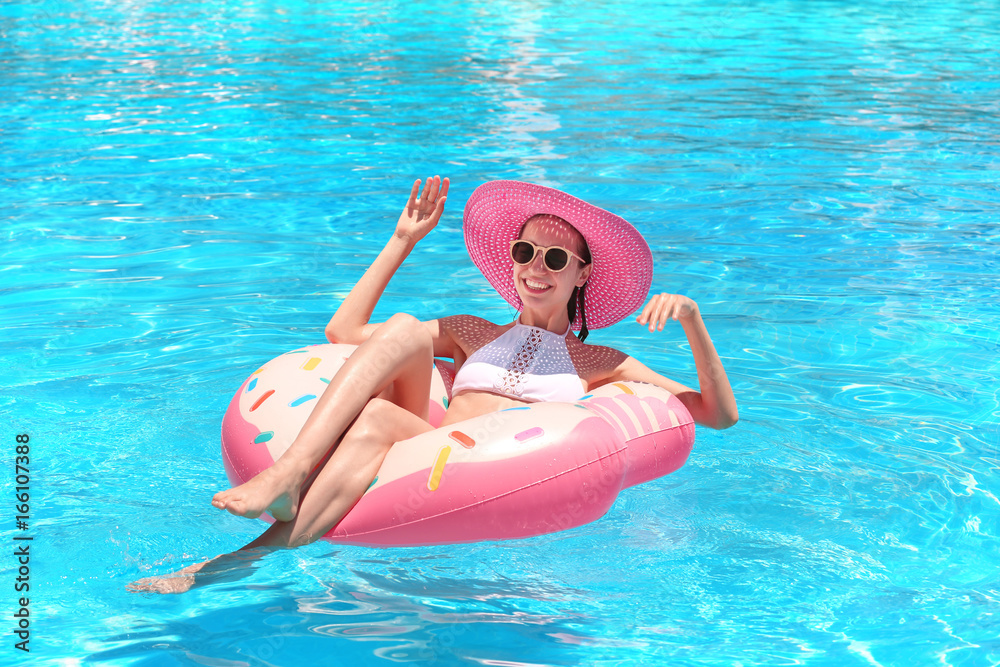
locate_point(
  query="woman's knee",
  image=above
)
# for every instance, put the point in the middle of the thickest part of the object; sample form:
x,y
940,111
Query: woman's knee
x,y
374,418
400,322
405,331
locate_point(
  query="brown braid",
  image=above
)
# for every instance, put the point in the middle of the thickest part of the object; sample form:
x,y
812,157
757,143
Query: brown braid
x,y
578,297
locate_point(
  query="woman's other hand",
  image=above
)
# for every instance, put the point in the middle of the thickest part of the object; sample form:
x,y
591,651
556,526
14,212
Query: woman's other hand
x,y
714,404
664,307
423,210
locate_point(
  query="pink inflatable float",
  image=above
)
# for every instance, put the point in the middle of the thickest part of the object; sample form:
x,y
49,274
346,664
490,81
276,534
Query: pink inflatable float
x,y
510,474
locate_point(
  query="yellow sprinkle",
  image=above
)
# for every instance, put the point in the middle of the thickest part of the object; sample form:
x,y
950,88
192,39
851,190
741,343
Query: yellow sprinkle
x,y
438,470
311,364
624,388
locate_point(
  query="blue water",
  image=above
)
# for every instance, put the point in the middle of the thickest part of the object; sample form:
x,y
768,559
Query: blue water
x,y
190,188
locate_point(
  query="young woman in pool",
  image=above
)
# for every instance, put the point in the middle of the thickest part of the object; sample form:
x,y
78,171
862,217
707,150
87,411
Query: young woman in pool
x,y
562,263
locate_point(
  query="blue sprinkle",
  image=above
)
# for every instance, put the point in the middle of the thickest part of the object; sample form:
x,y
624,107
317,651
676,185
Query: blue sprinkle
x,y
301,399
512,409
263,437
253,383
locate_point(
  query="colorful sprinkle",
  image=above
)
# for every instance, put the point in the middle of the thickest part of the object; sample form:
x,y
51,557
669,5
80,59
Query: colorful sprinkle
x,y
583,398
462,439
260,400
438,469
529,434
326,380
512,409
373,482
625,388
311,364
253,383
263,437
444,401
301,399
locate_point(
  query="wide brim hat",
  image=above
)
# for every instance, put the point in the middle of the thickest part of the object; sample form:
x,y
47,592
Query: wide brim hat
x,y
623,263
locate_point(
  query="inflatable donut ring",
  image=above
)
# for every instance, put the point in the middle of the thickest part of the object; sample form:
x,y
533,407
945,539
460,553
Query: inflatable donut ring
x,y
519,472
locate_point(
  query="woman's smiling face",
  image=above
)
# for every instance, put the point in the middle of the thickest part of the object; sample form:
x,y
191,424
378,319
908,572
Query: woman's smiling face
x,y
536,284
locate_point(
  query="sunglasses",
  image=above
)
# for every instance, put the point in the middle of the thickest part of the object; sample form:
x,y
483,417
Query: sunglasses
x,y
555,258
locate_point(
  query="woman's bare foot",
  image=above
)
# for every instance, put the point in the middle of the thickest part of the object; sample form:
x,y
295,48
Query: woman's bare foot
x,y
275,490
227,567
178,582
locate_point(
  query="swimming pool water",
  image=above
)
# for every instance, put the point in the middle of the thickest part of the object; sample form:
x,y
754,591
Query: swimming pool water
x,y
190,188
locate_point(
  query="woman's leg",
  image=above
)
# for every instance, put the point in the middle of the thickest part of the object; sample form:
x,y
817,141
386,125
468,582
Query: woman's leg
x,y
342,480
395,363
347,474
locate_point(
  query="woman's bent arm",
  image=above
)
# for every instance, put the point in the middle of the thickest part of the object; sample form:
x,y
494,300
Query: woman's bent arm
x,y
350,324
714,405
717,402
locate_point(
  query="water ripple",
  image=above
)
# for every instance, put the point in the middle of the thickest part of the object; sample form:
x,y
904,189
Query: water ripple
x,y
191,189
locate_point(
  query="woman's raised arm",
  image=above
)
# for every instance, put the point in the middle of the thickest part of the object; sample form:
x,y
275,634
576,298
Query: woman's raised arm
x,y
423,210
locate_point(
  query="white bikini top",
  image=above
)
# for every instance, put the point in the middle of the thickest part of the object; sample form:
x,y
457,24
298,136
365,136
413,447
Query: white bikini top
x,y
526,363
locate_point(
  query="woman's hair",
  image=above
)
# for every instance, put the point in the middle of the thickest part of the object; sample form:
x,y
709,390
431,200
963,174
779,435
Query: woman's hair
x,y
577,299
571,311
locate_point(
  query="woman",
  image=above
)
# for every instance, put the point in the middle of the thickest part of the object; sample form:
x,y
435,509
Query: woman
x,y
561,262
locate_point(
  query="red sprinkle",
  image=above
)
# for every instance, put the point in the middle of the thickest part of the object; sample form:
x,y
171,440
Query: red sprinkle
x,y
462,439
261,400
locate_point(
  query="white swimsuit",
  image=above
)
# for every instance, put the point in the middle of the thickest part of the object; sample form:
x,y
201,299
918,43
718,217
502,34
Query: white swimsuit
x,y
526,363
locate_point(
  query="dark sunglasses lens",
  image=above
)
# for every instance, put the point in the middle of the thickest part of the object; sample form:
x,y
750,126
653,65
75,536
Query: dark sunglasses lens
x,y
522,252
556,259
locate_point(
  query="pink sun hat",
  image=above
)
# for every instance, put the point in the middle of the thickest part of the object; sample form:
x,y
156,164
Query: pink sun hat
x,y
623,263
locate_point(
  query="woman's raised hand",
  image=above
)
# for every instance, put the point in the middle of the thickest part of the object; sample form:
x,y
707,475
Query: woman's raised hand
x,y
423,210
663,307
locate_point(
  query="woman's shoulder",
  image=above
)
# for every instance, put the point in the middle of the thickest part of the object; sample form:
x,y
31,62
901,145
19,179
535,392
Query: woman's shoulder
x,y
468,323
594,362
470,331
